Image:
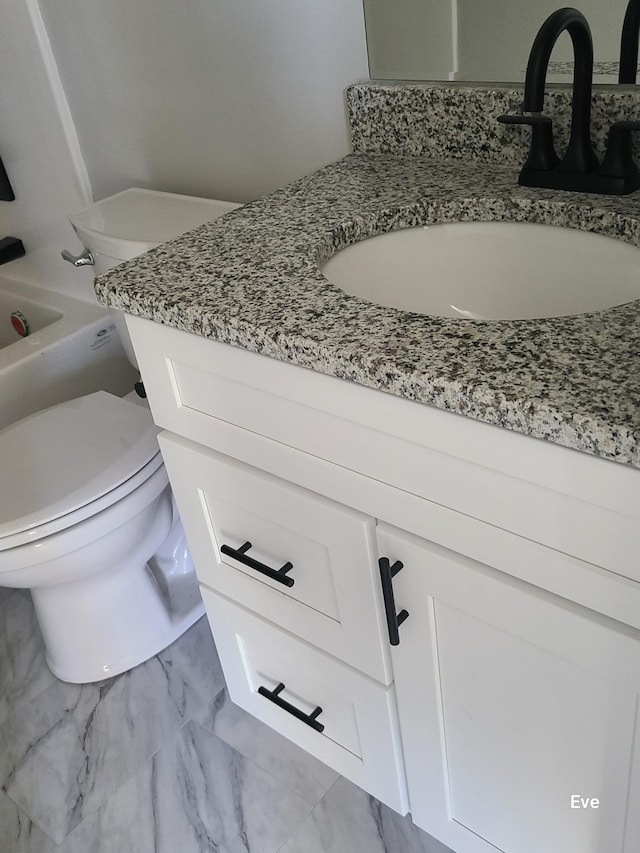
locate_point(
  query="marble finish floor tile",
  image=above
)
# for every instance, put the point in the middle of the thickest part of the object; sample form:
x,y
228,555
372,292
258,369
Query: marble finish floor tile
x,y
18,834
301,772
23,669
348,819
73,746
196,795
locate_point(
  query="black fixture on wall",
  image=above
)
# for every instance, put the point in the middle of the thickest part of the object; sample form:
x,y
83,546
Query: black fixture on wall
x,y
10,247
578,170
6,190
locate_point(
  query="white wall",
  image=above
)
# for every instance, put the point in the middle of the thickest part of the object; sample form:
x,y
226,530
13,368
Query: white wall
x,y
37,144
220,98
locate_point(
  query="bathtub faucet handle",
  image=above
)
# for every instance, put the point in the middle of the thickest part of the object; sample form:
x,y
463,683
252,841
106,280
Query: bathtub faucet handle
x,y
85,259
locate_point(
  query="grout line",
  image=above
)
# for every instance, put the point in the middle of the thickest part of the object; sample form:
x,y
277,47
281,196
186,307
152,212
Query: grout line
x,y
308,815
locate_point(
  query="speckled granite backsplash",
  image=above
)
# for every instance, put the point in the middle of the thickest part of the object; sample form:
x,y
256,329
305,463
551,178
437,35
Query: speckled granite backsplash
x,y
453,121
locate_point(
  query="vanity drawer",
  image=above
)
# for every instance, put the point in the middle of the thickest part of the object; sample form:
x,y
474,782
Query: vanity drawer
x,y
350,722
298,559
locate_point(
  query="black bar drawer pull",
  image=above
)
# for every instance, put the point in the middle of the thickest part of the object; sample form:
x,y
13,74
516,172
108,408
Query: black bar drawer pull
x,y
394,620
240,555
274,696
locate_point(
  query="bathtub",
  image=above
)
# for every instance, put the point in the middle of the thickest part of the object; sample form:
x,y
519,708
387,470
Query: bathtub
x,y
72,349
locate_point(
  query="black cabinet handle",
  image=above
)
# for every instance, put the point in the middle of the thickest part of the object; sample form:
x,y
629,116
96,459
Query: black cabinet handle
x,y
394,620
274,696
240,555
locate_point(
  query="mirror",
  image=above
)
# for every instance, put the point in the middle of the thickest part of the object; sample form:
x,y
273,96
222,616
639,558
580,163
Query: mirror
x,y
481,40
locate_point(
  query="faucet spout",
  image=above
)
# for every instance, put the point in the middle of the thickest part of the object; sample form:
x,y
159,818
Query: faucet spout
x,y
629,43
580,157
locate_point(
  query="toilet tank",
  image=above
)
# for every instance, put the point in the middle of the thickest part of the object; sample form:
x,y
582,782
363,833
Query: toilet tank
x,y
125,225
131,222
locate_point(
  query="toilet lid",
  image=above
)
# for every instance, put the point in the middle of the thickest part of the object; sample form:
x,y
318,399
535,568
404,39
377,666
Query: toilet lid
x,y
65,457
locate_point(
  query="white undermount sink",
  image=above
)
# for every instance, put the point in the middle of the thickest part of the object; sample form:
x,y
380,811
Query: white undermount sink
x,y
489,270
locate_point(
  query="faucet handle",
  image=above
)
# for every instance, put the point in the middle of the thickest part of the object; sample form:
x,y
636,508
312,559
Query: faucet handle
x,y
618,161
542,156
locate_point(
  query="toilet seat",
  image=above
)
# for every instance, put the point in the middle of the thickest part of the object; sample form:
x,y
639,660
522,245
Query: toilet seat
x,y
69,462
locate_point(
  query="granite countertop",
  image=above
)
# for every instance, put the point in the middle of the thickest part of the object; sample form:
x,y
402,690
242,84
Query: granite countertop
x,y
252,279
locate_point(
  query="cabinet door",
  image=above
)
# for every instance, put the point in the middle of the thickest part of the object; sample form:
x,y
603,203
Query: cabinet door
x,y
518,710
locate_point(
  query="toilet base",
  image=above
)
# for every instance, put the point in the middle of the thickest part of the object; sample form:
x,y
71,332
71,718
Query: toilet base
x,y
131,659
120,620
101,625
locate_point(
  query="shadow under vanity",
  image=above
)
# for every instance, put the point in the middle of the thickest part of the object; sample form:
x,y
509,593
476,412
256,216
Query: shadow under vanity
x,y
491,467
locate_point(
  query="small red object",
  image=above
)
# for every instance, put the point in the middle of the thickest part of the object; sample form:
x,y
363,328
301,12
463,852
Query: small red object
x,y
20,323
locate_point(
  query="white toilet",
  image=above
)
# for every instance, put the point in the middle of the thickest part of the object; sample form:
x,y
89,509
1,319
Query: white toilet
x,y
87,520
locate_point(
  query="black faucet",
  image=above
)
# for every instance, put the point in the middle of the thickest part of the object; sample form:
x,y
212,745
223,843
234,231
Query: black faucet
x,y
578,170
543,167
629,43
579,157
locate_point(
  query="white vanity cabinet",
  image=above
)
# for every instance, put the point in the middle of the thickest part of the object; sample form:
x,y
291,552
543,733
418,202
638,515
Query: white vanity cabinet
x,y
516,678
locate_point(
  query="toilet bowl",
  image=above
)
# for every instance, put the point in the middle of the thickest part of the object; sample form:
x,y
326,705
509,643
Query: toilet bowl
x,y
87,519
87,523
